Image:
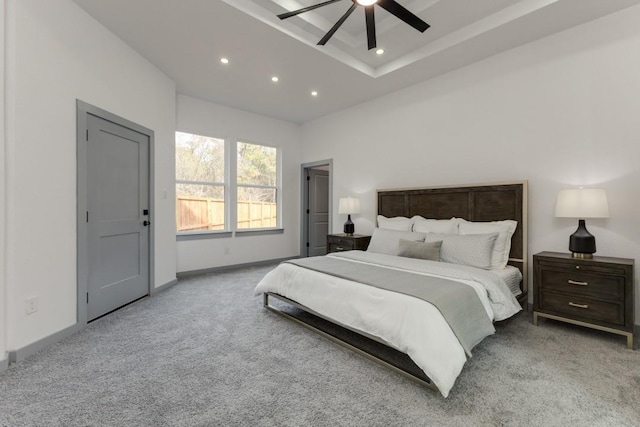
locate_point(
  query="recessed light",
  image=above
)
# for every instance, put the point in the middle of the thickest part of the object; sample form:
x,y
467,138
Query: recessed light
x,y
314,93
275,79
379,51
224,60
366,2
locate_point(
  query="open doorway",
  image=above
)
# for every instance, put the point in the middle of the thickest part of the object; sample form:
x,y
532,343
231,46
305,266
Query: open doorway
x,y
316,199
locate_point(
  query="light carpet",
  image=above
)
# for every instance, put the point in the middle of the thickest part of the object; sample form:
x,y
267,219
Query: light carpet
x,y
206,353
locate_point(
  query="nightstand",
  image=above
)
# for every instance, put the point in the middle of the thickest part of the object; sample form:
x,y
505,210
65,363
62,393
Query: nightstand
x,y
342,242
596,293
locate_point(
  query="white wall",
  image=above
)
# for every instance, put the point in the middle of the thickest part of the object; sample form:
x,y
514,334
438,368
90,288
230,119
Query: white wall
x,y
56,54
204,118
560,112
3,297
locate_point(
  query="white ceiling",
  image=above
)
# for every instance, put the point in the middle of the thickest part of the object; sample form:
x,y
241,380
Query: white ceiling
x,y
187,38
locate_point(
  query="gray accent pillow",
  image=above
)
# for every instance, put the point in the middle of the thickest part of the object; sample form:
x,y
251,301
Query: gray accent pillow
x,y
421,250
387,241
474,250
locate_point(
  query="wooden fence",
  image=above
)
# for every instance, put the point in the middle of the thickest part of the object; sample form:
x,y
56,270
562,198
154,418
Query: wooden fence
x,y
200,213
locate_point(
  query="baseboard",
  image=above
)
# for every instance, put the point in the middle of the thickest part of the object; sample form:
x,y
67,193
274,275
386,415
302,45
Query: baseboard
x,y
4,363
183,274
162,288
31,349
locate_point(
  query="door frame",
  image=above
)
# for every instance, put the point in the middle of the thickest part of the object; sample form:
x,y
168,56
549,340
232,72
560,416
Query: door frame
x,y
83,110
304,197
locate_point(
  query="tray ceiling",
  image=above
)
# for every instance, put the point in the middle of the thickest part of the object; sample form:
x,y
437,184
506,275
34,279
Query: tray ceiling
x,y
186,39
452,22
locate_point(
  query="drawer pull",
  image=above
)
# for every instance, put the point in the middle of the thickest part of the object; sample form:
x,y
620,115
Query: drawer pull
x,y
573,304
573,282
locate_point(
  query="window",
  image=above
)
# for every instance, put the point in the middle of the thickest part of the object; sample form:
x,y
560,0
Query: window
x,y
208,192
200,183
257,186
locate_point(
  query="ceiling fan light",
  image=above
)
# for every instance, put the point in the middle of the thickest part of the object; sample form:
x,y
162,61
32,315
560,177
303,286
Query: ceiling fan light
x,y
366,2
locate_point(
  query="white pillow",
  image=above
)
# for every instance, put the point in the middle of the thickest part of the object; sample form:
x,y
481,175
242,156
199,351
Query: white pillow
x,y
443,226
472,250
398,223
388,241
505,230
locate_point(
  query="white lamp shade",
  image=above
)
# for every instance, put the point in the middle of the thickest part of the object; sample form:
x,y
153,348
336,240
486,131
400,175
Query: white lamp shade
x,y
582,203
349,205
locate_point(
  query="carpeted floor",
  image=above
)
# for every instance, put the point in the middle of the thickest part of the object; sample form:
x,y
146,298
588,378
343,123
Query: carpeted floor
x,y
206,353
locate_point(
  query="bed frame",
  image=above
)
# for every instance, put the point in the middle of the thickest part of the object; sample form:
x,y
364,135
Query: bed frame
x,y
477,202
486,202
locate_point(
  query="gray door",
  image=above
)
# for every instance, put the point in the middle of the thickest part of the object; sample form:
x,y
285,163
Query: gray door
x,y
117,215
318,211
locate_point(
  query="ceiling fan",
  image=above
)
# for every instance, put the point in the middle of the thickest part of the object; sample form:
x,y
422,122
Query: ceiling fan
x,y
390,6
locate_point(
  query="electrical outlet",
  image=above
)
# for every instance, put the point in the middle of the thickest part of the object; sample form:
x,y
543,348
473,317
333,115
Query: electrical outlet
x,y
32,305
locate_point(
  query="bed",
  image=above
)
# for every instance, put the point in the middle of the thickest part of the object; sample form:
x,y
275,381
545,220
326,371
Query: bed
x,y
372,301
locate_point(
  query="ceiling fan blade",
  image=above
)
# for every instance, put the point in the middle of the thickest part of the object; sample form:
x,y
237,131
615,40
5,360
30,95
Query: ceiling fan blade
x,y
371,26
337,25
394,8
305,9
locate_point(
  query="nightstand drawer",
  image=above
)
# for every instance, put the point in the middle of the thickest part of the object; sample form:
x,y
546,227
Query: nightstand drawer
x,y
581,283
582,267
342,241
582,308
338,247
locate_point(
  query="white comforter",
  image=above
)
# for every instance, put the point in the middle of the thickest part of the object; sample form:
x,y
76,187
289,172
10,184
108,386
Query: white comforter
x,y
408,324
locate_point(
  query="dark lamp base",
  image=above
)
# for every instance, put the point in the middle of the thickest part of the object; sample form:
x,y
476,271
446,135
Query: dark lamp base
x,y
349,228
582,244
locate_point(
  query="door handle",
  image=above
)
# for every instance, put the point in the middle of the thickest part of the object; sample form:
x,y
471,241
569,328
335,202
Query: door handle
x,y
146,223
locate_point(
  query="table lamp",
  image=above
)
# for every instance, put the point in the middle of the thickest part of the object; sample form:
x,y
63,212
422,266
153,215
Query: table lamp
x,y
348,206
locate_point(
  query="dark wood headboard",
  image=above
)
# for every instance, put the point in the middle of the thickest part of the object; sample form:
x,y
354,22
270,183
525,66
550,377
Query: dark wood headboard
x,y
491,202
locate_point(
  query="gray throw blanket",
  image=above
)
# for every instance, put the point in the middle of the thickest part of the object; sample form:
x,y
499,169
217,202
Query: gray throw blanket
x,y
459,304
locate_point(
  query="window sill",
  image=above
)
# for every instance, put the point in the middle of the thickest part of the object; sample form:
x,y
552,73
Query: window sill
x,y
181,237
203,235
258,232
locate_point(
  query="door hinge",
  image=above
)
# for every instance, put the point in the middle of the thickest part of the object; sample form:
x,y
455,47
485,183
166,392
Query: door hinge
x,y
307,244
87,297
87,216
87,134
308,178
307,210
